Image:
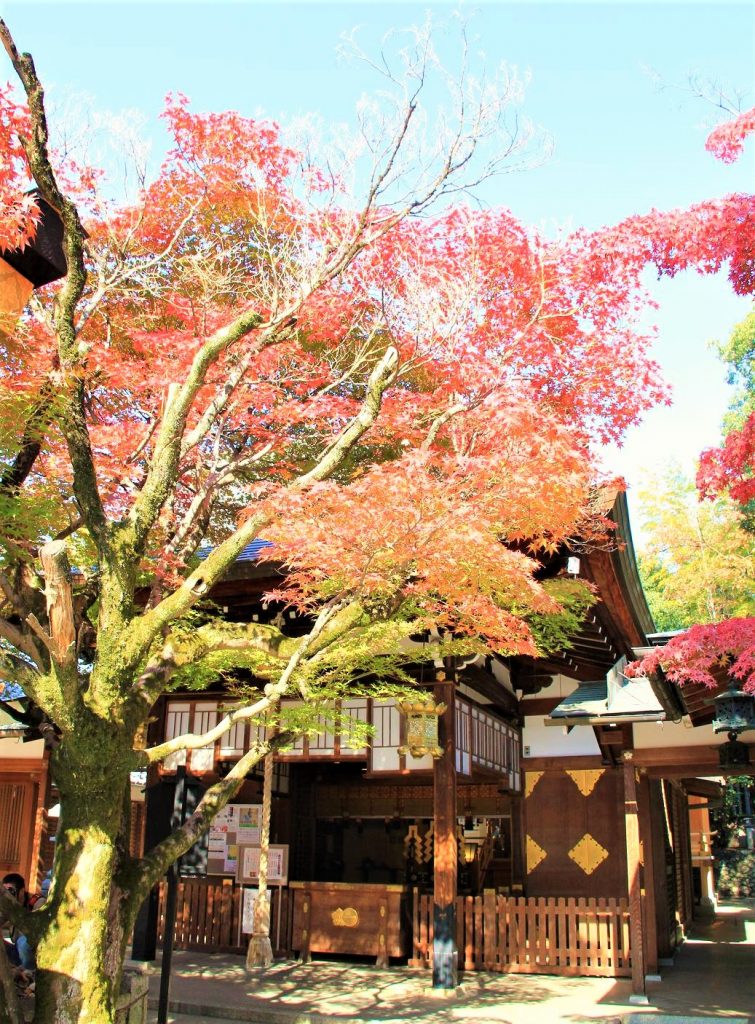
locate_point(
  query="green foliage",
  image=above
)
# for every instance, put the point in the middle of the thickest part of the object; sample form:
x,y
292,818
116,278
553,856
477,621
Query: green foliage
x,y
697,564
553,632
739,355
735,874
737,806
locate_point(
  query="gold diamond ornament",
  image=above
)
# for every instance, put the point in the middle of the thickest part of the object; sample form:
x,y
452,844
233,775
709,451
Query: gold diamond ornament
x,y
588,854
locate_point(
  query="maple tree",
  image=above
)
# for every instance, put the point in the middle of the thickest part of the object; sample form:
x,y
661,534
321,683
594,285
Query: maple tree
x,y
403,398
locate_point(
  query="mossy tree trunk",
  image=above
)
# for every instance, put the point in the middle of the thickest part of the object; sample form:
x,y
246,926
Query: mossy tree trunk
x,y
82,932
80,951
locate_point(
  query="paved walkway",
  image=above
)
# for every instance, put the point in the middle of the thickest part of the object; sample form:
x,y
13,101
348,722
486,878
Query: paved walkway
x,y
713,977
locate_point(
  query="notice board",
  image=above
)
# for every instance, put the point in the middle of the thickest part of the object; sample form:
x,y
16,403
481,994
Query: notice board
x,y
235,824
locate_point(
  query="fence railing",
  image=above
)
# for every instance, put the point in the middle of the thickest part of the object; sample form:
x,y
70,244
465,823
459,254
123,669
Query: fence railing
x,y
515,935
520,935
208,917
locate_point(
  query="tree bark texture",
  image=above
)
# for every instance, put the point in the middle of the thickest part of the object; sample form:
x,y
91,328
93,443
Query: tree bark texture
x,y
81,949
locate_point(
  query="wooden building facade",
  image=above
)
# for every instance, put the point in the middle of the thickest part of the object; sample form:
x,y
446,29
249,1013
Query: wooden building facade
x,y
552,835
556,825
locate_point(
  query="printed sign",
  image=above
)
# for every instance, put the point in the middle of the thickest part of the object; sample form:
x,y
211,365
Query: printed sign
x,y
248,870
247,911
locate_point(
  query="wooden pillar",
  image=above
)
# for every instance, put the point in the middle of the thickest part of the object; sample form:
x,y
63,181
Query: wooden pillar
x,y
648,875
631,820
686,856
664,912
445,956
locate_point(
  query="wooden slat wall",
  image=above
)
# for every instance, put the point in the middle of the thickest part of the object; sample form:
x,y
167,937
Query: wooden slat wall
x,y
17,804
545,935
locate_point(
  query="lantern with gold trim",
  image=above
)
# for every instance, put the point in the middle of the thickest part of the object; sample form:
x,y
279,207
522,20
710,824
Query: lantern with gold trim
x,y
421,727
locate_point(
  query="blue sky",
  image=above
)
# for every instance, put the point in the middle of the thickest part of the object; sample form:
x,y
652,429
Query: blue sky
x,y
621,145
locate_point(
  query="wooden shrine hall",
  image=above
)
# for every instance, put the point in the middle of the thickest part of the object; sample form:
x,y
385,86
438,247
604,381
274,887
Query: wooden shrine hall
x,y
552,834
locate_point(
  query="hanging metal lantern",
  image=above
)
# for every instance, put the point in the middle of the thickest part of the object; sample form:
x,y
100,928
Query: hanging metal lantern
x,y
421,728
735,711
733,753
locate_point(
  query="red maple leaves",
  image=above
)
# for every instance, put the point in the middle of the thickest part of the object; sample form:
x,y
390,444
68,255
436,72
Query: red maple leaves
x,y
730,468
726,141
701,654
517,355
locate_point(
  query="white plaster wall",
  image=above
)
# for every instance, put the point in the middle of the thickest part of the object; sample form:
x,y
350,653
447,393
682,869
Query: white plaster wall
x,y
675,734
550,741
13,747
561,687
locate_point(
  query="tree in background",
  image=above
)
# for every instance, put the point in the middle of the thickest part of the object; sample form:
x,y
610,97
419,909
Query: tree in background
x,y
730,467
697,563
403,398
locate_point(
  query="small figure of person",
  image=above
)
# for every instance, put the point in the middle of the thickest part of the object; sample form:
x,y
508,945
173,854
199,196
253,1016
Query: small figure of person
x,y
17,946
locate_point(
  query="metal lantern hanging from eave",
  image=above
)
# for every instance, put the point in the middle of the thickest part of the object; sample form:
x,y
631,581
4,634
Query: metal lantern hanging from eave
x,y
735,713
421,728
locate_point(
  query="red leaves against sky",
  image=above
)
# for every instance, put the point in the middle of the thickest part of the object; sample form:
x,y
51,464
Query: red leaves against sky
x,y
726,141
535,343
18,212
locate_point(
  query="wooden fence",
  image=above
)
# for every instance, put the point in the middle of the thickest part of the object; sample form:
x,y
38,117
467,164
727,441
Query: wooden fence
x,y
208,917
514,935
518,935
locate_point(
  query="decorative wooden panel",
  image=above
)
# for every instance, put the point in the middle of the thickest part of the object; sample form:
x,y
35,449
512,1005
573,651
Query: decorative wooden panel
x,y
575,819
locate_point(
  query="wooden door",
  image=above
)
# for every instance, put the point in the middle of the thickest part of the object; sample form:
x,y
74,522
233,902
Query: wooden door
x,y
18,801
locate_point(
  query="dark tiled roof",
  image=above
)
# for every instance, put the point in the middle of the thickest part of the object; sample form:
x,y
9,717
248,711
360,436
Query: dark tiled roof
x,y
10,691
251,553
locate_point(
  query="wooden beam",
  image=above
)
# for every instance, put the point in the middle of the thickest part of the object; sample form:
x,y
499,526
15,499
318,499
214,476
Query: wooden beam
x,y
536,764
634,883
656,757
538,706
445,956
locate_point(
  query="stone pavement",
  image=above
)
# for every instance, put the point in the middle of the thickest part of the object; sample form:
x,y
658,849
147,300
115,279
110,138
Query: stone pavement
x,y
713,978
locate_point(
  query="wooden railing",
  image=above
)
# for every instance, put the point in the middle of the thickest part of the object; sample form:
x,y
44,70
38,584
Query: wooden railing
x,y
208,917
517,935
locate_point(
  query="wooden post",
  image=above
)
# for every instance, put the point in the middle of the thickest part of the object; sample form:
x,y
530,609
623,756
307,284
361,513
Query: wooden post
x,y
631,820
445,955
649,882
